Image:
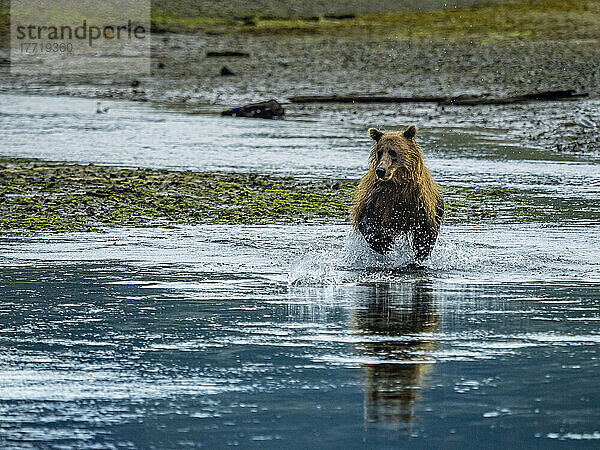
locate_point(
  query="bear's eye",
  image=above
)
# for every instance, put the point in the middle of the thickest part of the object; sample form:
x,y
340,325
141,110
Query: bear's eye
x,y
393,153
379,154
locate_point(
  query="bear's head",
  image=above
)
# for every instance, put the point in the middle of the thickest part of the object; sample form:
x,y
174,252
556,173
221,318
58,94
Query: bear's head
x,y
396,155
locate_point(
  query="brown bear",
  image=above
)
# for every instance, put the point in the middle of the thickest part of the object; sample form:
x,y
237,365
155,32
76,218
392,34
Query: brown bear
x,y
398,195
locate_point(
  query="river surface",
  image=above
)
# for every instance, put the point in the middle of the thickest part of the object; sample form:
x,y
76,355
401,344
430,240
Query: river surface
x,y
296,336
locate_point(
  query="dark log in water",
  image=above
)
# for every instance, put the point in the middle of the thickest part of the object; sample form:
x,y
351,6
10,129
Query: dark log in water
x,y
264,110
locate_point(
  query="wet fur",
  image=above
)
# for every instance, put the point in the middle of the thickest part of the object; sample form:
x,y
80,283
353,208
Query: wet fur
x,y
410,202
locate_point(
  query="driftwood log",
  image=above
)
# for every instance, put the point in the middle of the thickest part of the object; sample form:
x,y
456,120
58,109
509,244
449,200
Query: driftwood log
x,y
364,98
227,53
461,100
467,100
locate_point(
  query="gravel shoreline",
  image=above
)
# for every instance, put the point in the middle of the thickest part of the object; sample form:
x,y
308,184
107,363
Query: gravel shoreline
x,y
288,66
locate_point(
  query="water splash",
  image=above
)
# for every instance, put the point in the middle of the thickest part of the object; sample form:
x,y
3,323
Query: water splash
x,y
350,260
463,254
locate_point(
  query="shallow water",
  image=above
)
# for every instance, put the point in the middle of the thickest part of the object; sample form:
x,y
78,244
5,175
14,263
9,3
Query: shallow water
x,y
240,335
307,145
295,336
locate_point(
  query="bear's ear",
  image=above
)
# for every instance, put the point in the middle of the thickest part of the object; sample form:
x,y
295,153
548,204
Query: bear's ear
x,y
410,132
375,134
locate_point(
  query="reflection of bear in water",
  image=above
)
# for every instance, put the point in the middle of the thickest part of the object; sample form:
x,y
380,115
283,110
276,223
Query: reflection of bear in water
x,y
393,320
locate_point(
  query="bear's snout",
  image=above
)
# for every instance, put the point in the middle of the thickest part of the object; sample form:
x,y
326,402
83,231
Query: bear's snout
x,y
380,171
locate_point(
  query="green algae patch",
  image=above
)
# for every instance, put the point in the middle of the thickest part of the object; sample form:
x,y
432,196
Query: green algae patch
x,y
39,195
52,196
533,19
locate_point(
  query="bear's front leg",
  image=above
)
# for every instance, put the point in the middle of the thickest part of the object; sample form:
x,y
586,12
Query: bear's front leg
x,y
423,240
379,238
